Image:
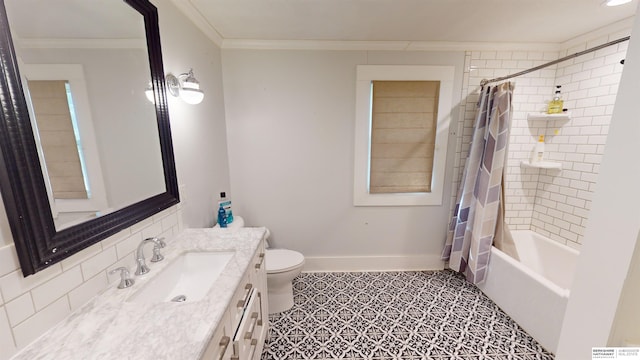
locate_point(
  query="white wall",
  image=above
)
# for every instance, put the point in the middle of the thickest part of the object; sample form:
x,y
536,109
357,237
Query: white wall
x,y
625,327
612,230
290,120
199,132
29,306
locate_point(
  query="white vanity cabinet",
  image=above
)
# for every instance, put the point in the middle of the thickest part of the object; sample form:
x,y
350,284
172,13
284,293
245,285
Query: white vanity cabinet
x,y
229,324
241,333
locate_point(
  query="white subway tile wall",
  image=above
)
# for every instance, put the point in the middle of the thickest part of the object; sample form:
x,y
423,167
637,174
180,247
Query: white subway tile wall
x,y
7,344
529,96
43,320
589,87
554,203
32,305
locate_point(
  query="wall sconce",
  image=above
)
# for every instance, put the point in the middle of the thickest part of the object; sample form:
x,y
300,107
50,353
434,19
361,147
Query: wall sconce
x,y
616,2
184,86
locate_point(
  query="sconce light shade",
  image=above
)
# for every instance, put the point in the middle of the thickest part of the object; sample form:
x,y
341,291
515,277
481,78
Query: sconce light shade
x,y
616,2
186,87
191,93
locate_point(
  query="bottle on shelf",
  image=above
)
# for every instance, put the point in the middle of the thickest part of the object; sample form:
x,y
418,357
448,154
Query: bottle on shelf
x,y
555,105
538,151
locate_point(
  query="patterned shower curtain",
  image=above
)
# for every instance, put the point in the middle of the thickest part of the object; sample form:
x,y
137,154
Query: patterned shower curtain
x,y
476,215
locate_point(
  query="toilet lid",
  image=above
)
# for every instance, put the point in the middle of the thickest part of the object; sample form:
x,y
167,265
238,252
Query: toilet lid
x,y
280,260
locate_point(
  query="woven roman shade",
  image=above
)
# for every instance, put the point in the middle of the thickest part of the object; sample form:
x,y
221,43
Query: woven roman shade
x,y
403,136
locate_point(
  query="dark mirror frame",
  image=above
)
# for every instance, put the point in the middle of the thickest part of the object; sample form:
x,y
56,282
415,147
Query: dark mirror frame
x,y
37,242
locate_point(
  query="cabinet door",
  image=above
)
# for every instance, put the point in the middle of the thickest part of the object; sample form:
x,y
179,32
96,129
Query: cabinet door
x,y
245,341
250,345
241,298
263,324
260,279
220,347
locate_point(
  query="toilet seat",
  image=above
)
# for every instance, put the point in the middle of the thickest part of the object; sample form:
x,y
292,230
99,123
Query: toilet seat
x,y
282,260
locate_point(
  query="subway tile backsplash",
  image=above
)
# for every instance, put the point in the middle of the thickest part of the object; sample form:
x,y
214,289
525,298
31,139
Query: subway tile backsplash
x,y
7,344
20,309
55,288
32,305
43,320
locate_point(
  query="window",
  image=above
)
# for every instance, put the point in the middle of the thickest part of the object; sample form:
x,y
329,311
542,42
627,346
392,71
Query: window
x,y
403,135
402,124
59,137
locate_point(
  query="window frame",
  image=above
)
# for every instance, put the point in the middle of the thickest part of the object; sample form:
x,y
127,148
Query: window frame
x,y
74,75
365,74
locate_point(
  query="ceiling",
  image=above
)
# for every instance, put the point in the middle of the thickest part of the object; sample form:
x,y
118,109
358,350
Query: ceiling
x,y
255,21
73,19
519,21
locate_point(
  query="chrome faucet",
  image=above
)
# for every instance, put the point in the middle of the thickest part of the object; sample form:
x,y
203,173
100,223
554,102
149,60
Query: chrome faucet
x,y
142,265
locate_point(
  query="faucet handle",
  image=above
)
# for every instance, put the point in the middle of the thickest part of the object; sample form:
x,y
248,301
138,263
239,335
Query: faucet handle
x,y
125,279
158,244
161,242
156,254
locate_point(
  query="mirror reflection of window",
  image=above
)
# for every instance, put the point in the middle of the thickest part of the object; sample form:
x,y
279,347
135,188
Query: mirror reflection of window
x,y
57,124
60,113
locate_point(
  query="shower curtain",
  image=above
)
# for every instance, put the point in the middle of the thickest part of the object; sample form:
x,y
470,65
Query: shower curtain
x,y
477,213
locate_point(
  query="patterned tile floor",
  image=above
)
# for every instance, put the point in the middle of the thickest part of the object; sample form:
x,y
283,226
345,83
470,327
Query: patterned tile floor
x,y
394,315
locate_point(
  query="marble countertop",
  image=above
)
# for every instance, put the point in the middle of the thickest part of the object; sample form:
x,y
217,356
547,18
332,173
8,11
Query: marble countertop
x,y
108,327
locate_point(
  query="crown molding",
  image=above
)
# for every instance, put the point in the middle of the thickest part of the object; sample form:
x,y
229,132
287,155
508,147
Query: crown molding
x,y
193,14
602,35
313,45
480,46
383,45
613,31
81,43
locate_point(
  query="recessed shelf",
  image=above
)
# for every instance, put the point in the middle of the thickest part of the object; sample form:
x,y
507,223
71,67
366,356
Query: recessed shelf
x,y
545,116
543,165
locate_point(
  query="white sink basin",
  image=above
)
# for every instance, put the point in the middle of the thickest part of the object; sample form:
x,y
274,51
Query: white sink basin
x,y
189,277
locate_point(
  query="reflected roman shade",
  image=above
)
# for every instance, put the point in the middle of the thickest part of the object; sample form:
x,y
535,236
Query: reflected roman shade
x,y
57,138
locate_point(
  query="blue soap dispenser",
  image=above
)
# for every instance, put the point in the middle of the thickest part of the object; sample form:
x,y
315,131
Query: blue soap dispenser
x,y
222,217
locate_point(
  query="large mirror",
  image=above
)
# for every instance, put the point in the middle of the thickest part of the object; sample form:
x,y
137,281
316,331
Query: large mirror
x,y
84,153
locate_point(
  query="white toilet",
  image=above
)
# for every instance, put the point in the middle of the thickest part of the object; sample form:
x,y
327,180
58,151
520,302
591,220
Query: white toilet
x,y
282,267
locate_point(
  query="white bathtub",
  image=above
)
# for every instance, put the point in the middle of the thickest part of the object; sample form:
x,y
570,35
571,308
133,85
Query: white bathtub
x,y
533,291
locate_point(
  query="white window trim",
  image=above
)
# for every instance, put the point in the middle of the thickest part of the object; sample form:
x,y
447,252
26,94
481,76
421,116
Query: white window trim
x,y
365,75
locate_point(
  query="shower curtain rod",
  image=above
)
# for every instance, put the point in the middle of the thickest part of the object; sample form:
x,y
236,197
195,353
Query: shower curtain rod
x,y
485,81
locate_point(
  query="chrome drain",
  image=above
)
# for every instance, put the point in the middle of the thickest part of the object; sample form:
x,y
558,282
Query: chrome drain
x,y
179,298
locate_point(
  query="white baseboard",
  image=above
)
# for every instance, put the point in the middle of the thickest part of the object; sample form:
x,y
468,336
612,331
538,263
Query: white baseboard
x,y
372,263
